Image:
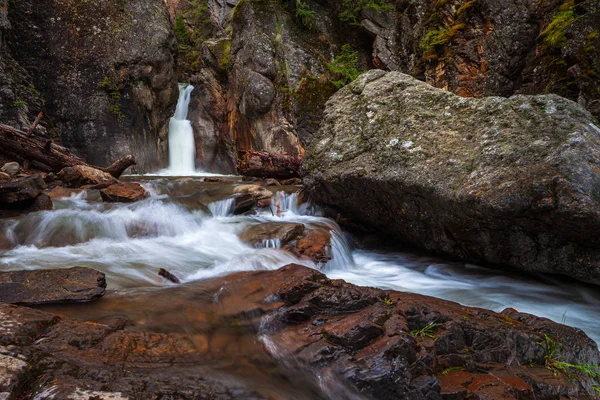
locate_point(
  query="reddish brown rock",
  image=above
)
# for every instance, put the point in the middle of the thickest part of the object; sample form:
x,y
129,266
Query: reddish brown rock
x,y
126,192
80,175
315,245
365,341
4,177
51,286
60,192
284,232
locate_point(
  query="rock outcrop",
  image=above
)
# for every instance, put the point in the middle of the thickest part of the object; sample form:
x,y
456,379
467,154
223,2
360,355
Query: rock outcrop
x,y
22,196
51,286
103,73
126,192
505,181
346,342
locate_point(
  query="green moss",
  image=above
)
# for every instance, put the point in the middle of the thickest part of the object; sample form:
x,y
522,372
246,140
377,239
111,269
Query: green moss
x,y
19,103
181,32
554,34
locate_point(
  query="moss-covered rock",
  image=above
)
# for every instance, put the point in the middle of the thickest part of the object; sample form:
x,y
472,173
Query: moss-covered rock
x,y
506,181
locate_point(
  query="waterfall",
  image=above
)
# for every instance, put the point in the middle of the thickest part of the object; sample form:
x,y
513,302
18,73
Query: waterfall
x,y
182,150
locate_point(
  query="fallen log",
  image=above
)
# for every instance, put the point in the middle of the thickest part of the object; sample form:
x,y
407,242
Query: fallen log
x,y
263,164
13,141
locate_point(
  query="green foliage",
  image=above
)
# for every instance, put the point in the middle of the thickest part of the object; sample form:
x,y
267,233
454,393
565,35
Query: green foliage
x,y
34,91
353,8
305,14
181,32
436,39
344,67
114,93
553,362
427,331
554,34
105,83
19,103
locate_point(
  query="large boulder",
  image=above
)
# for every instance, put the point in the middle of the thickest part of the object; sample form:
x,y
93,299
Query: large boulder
x,y
51,286
510,181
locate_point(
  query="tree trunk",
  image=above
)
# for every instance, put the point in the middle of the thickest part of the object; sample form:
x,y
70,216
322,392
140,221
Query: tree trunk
x,y
262,164
47,153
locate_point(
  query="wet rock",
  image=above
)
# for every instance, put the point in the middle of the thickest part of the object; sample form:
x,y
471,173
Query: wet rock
x,y
169,276
217,179
291,182
4,178
315,245
259,194
359,338
81,175
21,190
11,168
272,182
51,286
12,373
281,232
127,192
503,181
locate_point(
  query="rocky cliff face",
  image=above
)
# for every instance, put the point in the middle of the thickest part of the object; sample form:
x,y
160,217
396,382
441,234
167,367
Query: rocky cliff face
x,y
262,75
103,73
506,181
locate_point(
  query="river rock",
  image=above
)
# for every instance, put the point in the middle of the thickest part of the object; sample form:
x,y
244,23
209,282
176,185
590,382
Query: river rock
x,y
283,232
81,175
60,192
261,195
11,168
51,286
4,177
504,181
315,245
126,192
21,190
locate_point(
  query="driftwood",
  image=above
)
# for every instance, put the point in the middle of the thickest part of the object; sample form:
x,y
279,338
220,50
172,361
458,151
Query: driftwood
x,y
35,123
262,164
167,275
13,141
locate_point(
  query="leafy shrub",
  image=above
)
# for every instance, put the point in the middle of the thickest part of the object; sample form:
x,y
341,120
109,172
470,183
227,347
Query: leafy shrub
x,y
344,67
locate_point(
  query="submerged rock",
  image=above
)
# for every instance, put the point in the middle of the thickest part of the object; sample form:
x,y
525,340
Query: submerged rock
x,y
505,181
127,192
315,245
282,232
51,286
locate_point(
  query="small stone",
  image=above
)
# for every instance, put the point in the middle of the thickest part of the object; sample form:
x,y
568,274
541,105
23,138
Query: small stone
x,y
4,177
11,168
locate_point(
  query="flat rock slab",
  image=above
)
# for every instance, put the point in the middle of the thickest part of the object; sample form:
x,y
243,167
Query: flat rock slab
x,y
21,190
128,192
283,232
51,286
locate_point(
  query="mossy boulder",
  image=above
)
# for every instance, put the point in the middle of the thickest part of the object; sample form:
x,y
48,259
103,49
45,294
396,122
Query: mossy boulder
x,y
508,181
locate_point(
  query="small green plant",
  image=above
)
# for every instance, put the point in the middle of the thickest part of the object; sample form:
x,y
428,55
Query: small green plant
x,y
452,369
105,83
427,331
181,32
435,39
353,9
34,91
553,361
387,301
19,103
344,67
305,14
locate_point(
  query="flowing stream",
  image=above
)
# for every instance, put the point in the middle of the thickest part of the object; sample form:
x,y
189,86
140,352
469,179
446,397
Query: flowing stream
x,y
186,226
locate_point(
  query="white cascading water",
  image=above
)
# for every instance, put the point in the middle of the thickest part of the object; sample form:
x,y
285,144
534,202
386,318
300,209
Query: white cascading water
x,y
130,242
182,148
